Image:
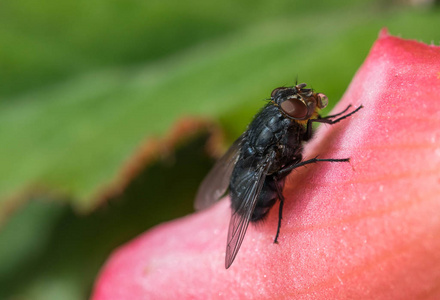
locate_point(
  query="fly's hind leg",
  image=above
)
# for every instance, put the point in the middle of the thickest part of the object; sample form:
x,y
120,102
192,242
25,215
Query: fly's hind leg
x,y
280,211
283,173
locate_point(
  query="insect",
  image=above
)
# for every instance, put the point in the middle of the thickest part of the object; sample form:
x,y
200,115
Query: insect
x,y
255,167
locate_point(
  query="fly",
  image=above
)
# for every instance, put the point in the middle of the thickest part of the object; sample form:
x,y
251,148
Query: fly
x,y
255,167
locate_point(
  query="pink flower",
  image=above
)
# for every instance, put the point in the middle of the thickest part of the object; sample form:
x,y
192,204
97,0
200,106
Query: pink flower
x,y
365,229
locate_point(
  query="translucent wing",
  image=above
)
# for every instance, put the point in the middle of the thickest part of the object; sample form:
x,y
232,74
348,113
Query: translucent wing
x,y
216,182
240,218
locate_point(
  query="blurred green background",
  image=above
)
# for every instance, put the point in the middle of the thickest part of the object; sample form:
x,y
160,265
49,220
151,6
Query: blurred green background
x,y
84,84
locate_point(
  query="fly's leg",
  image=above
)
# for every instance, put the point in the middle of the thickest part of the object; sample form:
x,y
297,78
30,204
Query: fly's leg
x,y
335,115
280,211
308,134
284,172
327,120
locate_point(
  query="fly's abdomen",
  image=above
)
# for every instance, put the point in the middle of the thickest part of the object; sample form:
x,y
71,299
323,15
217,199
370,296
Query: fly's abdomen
x,y
266,200
241,180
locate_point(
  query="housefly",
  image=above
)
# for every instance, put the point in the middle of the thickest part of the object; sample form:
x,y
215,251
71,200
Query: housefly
x,y
254,169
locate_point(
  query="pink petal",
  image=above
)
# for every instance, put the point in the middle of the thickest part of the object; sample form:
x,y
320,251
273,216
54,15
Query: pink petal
x,y
365,229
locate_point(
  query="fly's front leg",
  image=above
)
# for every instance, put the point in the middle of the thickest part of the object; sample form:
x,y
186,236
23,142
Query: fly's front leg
x,y
335,115
328,120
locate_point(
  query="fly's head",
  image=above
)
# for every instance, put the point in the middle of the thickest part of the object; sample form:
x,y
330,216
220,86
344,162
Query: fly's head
x,y
298,103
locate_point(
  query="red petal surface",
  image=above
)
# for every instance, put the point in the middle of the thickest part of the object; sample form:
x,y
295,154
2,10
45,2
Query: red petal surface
x,y
365,229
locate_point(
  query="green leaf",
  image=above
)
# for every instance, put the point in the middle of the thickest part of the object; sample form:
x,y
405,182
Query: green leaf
x,y
73,138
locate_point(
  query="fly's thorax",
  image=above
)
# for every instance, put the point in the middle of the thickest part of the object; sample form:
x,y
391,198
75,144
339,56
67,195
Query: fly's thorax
x,y
294,137
265,130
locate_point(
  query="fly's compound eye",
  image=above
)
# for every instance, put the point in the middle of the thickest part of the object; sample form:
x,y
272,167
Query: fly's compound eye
x,y
275,91
295,108
322,100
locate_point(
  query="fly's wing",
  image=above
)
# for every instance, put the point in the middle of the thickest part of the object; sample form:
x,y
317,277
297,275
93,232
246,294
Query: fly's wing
x,y
216,182
241,217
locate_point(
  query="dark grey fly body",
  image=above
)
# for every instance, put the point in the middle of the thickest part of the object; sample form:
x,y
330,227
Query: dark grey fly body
x,y
254,169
